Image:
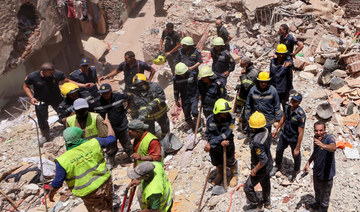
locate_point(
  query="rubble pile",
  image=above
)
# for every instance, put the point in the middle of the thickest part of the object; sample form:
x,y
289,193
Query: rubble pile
x,y
324,73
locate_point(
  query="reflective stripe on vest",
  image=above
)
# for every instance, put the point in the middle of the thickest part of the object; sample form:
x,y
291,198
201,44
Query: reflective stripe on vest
x,y
143,149
158,185
90,129
159,114
85,168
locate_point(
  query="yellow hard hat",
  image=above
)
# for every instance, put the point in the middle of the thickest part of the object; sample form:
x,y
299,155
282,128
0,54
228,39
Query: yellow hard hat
x,y
187,41
159,60
263,76
205,71
218,42
181,68
281,49
69,88
138,78
221,106
257,120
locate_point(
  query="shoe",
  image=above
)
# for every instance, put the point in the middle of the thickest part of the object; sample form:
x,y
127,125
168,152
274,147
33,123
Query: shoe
x,y
274,170
292,176
234,175
219,176
313,205
267,205
250,206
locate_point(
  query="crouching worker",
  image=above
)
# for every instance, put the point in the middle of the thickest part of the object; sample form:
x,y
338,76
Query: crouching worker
x,y
83,167
219,130
155,192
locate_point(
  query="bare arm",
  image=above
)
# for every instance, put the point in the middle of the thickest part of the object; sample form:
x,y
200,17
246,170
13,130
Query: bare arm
x,y
299,140
298,49
109,127
28,93
112,73
161,44
81,85
256,169
152,73
194,66
174,49
279,126
228,40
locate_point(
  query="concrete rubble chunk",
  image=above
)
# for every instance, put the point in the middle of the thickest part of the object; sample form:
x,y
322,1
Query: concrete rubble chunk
x,y
351,58
336,83
301,63
353,67
339,73
306,75
311,69
31,188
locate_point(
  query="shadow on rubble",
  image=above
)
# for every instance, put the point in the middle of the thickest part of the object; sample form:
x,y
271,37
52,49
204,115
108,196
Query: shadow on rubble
x,y
305,199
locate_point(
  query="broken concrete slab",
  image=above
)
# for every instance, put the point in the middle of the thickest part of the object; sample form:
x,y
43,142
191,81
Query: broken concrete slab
x,y
311,68
336,83
339,73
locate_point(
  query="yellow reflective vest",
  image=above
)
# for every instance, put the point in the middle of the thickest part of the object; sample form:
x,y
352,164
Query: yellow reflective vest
x,y
85,168
158,185
143,149
91,128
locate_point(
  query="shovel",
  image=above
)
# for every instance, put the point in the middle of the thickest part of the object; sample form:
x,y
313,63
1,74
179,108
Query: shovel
x,y
217,189
191,146
124,200
131,198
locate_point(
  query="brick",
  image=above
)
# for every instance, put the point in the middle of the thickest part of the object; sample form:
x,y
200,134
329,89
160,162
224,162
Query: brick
x,y
353,67
301,63
351,58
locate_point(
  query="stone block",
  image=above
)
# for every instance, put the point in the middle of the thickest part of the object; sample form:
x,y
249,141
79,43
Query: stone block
x,y
301,63
353,67
333,28
339,73
351,58
31,188
311,69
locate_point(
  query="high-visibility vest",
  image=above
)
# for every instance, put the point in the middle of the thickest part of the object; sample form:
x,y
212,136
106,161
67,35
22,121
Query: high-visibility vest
x,y
143,149
158,185
85,168
91,130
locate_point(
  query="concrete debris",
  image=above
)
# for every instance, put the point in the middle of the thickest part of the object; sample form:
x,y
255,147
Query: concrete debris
x,y
336,83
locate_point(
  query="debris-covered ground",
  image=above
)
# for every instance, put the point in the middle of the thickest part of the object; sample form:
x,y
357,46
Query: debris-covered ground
x,y
322,74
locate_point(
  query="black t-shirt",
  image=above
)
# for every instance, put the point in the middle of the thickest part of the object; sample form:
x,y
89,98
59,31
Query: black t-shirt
x,y
223,33
46,89
289,42
91,77
170,40
324,161
129,73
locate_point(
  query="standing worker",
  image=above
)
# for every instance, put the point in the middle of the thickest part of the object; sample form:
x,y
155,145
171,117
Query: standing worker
x,y
186,86
210,89
112,103
146,145
324,166
46,92
223,33
149,102
172,44
289,41
131,67
223,62
292,134
91,123
261,162
247,81
71,92
86,74
281,74
155,192
83,168
189,54
264,98
219,130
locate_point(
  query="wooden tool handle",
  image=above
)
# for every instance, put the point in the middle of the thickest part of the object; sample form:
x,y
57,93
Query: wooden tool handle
x,y
225,175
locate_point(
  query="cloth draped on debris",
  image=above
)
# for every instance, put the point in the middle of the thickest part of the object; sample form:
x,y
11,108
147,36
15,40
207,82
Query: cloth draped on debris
x,y
48,166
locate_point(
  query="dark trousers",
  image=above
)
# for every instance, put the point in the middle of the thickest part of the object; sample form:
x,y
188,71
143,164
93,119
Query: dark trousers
x,y
284,99
207,112
282,145
222,78
244,123
164,123
42,114
190,108
322,192
171,61
123,137
251,182
216,155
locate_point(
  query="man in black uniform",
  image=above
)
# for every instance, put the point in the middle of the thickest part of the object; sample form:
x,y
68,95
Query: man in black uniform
x,y
189,55
261,162
112,103
172,44
131,67
223,33
289,41
186,86
210,89
86,74
71,92
46,92
293,121
223,62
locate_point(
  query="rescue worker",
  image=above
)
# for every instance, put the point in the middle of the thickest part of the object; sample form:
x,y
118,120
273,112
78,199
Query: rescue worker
x,y
155,193
112,103
91,123
293,121
261,162
186,86
86,74
219,130
131,67
77,170
289,41
323,156
46,92
281,74
146,146
247,81
106,67
71,92
223,62
189,54
223,33
210,89
149,102
172,44
264,98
